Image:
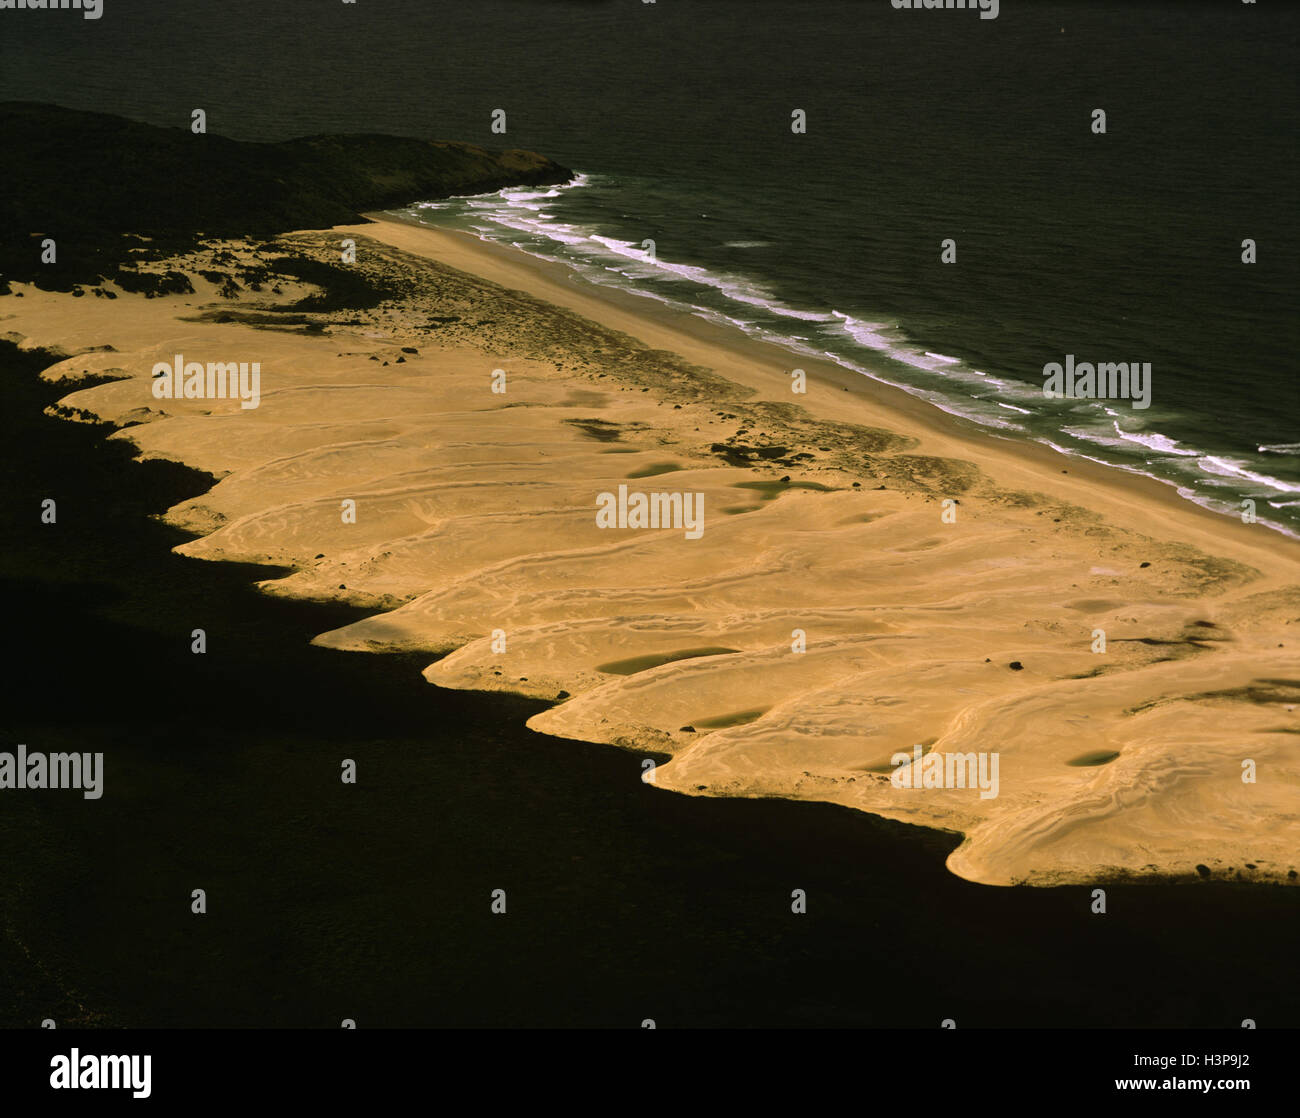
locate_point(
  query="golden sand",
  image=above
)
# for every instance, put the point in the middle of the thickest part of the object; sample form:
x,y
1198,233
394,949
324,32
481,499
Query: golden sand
x,y
828,617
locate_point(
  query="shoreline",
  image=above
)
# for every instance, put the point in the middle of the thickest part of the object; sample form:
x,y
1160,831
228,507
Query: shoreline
x,y
476,519
562,285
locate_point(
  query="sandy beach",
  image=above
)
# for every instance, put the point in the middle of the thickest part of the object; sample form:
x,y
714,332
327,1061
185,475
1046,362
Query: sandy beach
x,y
869,575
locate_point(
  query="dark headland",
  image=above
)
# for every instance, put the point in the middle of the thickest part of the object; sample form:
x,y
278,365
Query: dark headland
x,y
89,179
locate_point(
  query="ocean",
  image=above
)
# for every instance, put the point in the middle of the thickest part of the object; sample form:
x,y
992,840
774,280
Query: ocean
x,y
922,127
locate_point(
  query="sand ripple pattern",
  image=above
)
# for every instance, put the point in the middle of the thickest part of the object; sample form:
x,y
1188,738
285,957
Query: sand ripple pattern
x,y
476,520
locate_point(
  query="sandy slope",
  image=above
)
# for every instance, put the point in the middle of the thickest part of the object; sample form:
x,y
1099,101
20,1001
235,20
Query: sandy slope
x,y
476,535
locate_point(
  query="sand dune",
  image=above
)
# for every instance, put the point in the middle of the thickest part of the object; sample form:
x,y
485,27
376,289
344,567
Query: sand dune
x,y
827,618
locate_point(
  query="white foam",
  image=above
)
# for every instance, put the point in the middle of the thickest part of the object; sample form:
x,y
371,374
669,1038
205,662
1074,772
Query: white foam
x,y
1229,468
1153,440
593,255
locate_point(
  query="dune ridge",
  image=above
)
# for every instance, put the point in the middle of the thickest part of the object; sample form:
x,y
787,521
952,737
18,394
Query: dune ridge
x,y
829,616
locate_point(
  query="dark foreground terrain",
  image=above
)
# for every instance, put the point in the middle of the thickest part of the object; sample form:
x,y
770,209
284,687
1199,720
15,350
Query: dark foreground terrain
x,y
106,189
